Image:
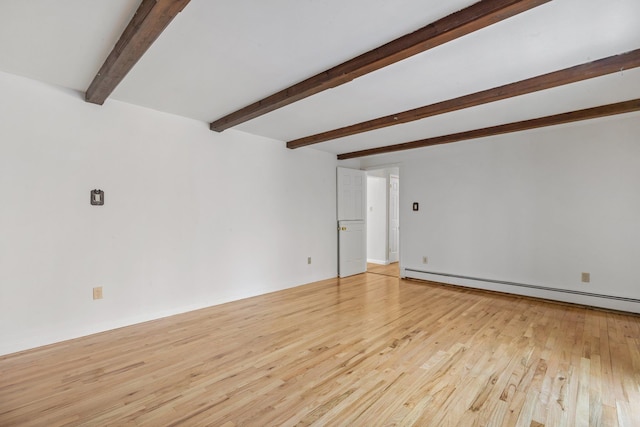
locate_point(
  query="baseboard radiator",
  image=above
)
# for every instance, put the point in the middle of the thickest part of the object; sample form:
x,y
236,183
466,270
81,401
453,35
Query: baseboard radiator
x,y
524,285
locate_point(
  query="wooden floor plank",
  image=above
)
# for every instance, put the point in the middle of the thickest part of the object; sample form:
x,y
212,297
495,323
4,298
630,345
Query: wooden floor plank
x,y
392,269
367,350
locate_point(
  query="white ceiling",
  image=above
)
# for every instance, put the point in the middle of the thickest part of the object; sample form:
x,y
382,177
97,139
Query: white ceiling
x,y
220,55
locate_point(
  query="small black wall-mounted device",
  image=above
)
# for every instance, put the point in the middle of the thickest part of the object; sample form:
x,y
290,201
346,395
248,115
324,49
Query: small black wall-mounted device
x,y
415,206
97,197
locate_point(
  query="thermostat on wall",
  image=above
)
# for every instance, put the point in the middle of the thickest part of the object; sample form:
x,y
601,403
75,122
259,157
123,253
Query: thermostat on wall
x,y
97,197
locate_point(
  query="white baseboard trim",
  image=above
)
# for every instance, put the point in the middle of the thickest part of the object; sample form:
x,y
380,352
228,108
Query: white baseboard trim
x,y
557,294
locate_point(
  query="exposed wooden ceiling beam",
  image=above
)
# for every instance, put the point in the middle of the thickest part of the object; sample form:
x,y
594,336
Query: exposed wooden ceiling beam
x,y
558,119
465,21
150,20
578,73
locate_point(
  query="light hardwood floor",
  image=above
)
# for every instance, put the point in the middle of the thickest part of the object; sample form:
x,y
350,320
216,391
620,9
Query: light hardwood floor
x,y
369,350
392,269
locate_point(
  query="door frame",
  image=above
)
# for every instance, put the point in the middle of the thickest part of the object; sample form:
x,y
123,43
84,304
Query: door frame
x,y
389,188
399,175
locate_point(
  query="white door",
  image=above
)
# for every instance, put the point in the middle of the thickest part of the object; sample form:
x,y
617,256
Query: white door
x,y
352,191
352,248
352,229
394,218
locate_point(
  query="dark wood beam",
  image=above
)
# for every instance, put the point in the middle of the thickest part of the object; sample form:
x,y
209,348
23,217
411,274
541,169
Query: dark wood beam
x,y
575,74
558,119
465,21
150,20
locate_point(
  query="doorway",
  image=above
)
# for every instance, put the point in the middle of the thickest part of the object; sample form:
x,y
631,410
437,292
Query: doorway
x,y
383,224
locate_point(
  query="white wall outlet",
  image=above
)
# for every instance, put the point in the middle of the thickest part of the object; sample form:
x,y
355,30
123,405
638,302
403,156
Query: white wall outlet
x,y
97,292
309,260
586,277
425,260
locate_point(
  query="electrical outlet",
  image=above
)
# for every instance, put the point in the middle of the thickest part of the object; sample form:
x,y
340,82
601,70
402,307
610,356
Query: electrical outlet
x,y
309,260
586,277
97,292
425,260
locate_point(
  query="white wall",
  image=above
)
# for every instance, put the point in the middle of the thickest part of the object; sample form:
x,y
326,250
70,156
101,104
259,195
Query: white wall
x,y
536,207
377,220
192,218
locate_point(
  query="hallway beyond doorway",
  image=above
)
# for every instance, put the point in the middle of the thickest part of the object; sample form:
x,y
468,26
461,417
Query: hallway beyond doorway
x,y
392,269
